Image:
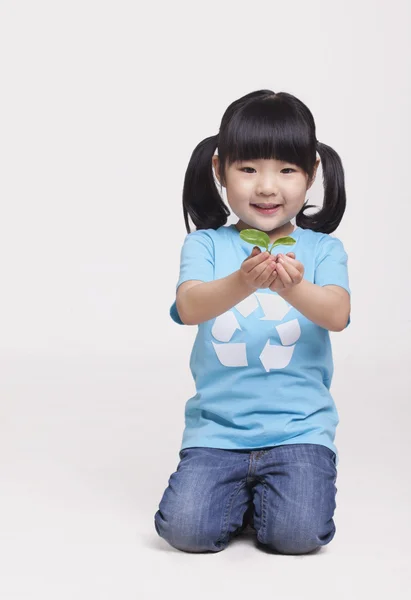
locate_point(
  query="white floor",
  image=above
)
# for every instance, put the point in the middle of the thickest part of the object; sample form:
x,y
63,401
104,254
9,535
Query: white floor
x,y
79,486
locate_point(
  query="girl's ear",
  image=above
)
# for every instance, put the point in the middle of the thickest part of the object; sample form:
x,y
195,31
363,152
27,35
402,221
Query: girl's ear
x,y
317,162
216,164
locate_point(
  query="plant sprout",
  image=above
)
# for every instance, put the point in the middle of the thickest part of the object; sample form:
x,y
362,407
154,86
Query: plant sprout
x,y
260,238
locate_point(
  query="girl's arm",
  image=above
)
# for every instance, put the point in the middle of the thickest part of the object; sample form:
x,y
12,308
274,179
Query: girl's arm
x,y
206,300
328,306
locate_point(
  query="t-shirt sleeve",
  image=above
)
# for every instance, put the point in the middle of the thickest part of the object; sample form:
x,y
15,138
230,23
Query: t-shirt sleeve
x,y
331,265
196,262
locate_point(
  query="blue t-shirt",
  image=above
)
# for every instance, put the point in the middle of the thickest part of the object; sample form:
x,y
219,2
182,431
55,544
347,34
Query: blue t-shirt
x,y
262,370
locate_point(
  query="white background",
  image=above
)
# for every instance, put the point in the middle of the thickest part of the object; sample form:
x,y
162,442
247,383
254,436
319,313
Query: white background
x,y
101,106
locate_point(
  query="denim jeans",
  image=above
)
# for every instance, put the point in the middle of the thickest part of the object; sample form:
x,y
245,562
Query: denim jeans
x,y
286,493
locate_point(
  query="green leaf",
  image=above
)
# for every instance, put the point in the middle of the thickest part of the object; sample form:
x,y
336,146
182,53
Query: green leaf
x,y
256,237
284,241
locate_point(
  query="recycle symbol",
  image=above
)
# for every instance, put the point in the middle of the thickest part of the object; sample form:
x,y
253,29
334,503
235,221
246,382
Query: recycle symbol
x,y
273,356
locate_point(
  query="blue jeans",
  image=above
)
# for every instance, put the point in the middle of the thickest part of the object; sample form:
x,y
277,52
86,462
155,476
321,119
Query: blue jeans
x,y
286,493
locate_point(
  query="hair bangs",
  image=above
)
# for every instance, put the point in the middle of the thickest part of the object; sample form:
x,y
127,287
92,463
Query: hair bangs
x,y
268,128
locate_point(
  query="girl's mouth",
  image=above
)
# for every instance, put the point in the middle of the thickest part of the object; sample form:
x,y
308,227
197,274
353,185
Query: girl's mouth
x,y
267,211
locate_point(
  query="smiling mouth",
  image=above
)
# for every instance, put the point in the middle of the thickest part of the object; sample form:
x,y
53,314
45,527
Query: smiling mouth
x,y
263,205
266,209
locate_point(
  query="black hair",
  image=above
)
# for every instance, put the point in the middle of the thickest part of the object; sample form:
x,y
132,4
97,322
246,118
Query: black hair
x,y
263,125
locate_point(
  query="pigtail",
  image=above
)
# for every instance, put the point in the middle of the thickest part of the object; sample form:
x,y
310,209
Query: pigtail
x,y
201,199
327,219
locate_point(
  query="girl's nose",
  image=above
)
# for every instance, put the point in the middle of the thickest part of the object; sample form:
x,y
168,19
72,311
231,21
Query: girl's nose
x,y
267,188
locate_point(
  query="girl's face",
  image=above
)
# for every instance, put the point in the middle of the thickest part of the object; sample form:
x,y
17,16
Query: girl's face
x,y
265,181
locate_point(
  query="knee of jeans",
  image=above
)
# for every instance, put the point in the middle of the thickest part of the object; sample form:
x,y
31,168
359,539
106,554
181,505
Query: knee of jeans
x,y
292,544
299,541
185,535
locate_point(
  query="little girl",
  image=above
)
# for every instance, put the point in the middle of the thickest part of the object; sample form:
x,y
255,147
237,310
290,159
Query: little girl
x,y
258,445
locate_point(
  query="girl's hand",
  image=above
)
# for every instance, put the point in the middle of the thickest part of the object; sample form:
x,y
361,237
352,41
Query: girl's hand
x,y
289,272
258,270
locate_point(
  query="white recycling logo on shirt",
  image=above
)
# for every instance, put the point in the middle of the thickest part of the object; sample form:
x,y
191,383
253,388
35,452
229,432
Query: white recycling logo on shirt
x,y
273,356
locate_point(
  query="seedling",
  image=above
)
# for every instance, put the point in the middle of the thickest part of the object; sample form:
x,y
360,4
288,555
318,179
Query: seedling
x,y
259,238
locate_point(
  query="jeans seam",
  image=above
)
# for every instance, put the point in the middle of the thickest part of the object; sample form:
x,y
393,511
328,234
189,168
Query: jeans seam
x,y
263,527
